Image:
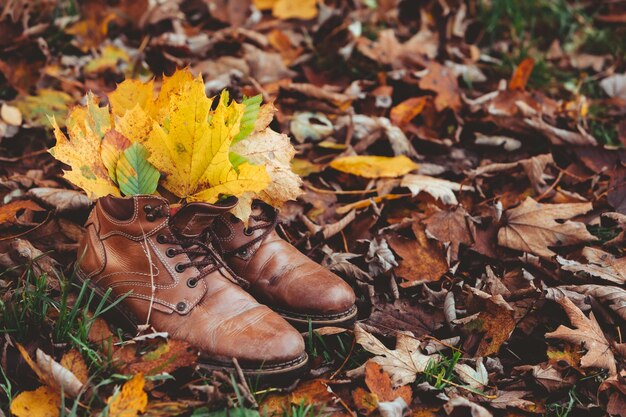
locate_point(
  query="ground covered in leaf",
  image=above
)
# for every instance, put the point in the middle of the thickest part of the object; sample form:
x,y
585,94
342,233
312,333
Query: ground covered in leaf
x,y
463,168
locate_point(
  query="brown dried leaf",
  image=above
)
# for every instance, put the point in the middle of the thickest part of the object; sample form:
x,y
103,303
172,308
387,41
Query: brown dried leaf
x,y
450,227
442,81
423,260
532,227
586,332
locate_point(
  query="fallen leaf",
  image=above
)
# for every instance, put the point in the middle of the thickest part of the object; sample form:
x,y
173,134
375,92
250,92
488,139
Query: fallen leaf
x,y
130,400
11,115
476,378
168,356
586,332
438,188
532,227
403,315
615,85
379,382
58,376
599,264
42,402
450,227
287,9
461,402
494,323
442,81
403,363
365,402
375,166
61,200
73,361
9,211
406,111
520,76
47,102
423,260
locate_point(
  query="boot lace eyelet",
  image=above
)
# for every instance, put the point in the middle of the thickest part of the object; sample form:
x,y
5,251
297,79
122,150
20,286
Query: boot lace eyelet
x,y
170,252
248,232
179,268
181,306
147,208
161,239
192,282
243,252
150,217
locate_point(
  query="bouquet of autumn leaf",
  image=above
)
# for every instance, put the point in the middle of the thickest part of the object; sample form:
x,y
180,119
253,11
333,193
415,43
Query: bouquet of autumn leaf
x,y
176,144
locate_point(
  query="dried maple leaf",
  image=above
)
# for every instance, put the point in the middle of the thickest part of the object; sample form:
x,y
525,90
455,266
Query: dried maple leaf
x,y
403,363
451,227
495,323
532,227
599,264
86,127
442,81
379,382
275,152
440,189
588,333
193,154
423,259
131,400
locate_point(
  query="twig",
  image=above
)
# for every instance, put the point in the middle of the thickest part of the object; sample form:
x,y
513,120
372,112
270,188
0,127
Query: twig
x,y
244,385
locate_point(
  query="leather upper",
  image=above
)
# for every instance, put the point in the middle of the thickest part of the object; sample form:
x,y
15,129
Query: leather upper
x,y
279,274
135,247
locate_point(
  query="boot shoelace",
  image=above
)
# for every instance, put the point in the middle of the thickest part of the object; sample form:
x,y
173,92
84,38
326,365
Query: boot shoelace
x,y
266,220
201,255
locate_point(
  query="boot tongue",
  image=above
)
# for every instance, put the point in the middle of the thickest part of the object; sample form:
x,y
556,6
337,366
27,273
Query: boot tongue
x,y
193,218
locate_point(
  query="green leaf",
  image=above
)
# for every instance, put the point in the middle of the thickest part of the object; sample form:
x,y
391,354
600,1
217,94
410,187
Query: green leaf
x,y
236,159
135,175
250,114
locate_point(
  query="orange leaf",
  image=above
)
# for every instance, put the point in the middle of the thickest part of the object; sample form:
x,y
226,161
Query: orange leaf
x,y
9,211
379,382
406,111
74,362
522,74
365,402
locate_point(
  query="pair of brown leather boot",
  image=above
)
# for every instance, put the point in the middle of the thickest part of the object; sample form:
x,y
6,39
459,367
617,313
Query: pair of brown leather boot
x,y
201,276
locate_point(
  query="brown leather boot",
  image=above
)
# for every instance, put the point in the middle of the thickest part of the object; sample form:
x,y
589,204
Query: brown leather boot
x,y
280,276
180,286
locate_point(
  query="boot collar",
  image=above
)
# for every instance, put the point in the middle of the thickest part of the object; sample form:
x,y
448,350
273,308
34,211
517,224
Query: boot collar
x,y
193,218
137,216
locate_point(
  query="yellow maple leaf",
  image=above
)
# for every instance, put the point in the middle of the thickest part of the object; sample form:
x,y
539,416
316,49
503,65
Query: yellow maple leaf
x,y
86,126
42,402
374,166
131,400
188,142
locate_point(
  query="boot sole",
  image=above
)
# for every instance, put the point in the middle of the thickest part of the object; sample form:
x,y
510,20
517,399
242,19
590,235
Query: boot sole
x,y
303,321
122,317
